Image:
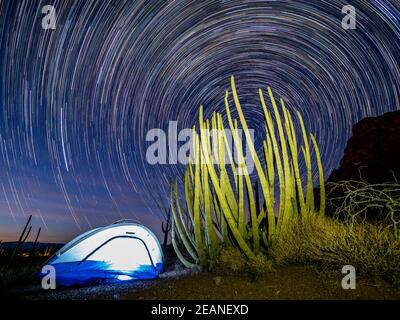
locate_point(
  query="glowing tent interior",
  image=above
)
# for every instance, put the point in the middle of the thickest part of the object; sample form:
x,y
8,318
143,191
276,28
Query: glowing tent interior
x,y
121,251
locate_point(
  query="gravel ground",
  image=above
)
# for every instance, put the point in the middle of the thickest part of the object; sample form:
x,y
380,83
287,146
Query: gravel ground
x,y
287,283
101,291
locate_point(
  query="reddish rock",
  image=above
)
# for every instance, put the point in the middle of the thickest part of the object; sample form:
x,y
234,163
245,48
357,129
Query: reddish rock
x,y
373,149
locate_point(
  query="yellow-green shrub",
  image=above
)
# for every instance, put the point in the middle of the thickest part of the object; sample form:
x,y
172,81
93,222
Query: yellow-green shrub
x,y
231,261
372,249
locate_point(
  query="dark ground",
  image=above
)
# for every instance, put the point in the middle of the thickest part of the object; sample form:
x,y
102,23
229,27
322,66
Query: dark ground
x,y
287,283
17,281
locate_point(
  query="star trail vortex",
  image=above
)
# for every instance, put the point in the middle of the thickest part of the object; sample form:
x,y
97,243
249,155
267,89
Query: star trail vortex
x,y
76,102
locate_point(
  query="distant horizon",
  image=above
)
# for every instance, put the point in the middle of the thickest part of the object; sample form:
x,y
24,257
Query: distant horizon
x,y
47,236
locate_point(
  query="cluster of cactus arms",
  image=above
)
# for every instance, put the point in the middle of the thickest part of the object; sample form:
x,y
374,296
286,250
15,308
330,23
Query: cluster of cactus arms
x,y
215,209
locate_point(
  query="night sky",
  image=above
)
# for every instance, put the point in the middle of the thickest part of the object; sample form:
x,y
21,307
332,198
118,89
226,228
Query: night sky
x,y
76,102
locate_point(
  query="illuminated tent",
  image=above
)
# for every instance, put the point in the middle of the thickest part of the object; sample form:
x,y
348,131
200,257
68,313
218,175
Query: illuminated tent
x,y
121,251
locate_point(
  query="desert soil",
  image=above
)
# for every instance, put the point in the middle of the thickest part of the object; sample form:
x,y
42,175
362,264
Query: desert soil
x,y
287,283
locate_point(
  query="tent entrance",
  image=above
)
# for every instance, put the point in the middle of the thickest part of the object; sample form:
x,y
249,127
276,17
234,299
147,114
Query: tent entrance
x,y
125,253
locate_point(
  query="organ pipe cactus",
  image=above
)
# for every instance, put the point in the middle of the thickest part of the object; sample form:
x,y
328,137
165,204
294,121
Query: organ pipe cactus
x,y
36,240
216,210
22,238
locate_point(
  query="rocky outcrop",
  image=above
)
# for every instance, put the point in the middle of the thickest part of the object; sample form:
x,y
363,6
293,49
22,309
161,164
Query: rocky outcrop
x,y
373,150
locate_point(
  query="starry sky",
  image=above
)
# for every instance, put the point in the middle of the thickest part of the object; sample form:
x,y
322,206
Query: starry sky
x,y
76,102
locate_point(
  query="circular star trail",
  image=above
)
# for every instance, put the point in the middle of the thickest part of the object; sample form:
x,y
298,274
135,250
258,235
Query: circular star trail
x,y
76,102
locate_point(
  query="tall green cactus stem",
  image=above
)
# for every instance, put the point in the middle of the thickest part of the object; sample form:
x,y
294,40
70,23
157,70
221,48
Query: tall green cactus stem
x,y
211,237
277,154
178,228
306,154
287,208
229,216
257,164
321,177
292,140
196,207
244,172
178,252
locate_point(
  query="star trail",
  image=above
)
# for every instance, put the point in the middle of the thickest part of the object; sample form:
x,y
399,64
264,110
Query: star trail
x,y
77,101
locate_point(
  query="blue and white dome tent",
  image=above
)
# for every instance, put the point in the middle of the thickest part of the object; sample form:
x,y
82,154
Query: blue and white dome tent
x,y
121,251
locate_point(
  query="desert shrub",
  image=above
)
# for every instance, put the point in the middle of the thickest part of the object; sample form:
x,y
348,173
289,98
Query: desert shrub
x,y
372,249
258,266
355,201
231,261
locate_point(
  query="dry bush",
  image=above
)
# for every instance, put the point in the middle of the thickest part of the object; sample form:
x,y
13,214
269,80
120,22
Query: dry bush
x,y
372,249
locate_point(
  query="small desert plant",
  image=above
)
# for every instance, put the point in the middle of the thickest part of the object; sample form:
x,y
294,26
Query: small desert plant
x,y
232,261
326,242
47,252
166,223
166,228
215,210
